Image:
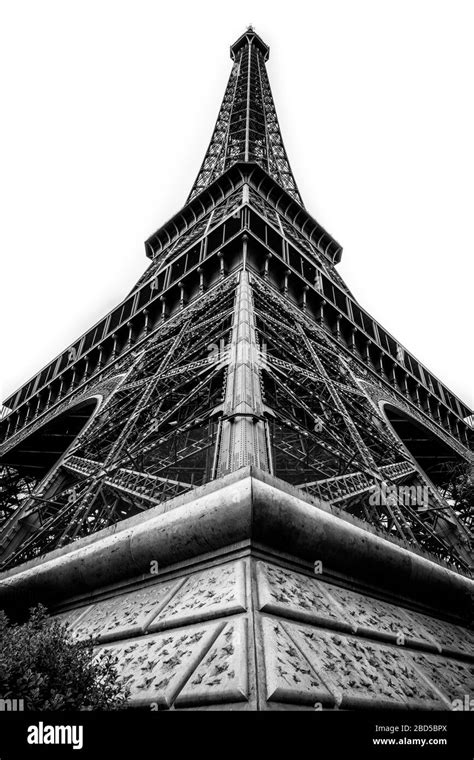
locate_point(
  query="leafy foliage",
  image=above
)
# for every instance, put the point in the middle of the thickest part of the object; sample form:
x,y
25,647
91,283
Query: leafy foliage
x,y
42,664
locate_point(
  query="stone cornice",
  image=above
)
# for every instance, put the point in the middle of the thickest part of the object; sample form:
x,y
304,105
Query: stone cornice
x,y
246,506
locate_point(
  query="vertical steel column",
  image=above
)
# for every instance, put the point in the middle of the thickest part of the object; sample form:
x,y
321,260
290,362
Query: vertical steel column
x,y
247,114
243,436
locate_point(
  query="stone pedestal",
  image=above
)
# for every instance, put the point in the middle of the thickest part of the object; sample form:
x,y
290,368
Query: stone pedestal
x,y
246,595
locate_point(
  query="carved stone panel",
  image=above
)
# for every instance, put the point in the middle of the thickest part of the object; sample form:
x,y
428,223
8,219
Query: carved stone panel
x,y
454,679
369,616
447,637
156,667
208,594
125,614
72,617
288,675
222,676
362,673
288,594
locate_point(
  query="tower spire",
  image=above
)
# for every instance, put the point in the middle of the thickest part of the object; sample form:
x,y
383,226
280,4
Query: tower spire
x,y
247,127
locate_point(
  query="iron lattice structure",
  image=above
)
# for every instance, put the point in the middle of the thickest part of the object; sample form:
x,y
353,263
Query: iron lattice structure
x,y
247,126
240,345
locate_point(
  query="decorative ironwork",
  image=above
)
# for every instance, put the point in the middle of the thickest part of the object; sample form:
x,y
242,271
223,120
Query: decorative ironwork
x,y
240,345
247,126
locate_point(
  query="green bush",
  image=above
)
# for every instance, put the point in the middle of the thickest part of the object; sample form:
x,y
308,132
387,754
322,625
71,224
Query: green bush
x,y
42,664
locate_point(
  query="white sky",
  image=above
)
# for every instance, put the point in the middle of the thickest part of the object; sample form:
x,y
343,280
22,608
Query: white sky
x,y
107,110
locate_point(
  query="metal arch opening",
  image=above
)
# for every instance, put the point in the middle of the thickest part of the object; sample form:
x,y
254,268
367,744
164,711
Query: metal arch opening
x,y
436,458
27,463
36,454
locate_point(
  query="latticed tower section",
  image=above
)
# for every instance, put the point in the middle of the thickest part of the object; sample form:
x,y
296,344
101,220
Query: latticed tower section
x,y
241,345
247,126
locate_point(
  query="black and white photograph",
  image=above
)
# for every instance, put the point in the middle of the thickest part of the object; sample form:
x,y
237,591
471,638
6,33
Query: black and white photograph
x,y
237,377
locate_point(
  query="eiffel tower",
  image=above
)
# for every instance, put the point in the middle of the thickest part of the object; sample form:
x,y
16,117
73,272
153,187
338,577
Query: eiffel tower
x,y
239,356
